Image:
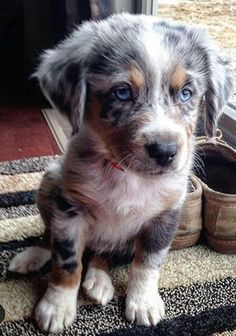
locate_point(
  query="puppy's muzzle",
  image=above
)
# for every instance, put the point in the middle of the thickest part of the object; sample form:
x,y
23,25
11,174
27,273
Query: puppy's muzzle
x,y
162,152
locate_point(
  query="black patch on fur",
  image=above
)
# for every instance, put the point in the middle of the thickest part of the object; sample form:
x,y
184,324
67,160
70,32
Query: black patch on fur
x,y
132,55
198,59
160,232
72,73
108,101
172,39
101,60
70,267
86,154
70,79
64,206
107,60
59,101
73,76
117,112
64,248
112,110
169,27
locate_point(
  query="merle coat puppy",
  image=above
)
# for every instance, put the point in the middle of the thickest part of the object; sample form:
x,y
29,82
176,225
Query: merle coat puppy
x,y
131,87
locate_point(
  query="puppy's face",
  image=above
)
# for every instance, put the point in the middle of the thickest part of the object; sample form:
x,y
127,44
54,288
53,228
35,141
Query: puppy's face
x,y
144,81
143,100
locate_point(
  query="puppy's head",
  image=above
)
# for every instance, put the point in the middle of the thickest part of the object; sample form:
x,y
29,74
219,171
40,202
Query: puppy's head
x,y
138,83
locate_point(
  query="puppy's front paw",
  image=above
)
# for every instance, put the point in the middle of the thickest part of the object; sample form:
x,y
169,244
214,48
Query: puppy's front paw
x,y
98,286
144,309
57,309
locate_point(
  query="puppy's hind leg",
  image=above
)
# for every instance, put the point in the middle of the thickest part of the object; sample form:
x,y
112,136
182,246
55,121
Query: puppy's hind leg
x,y
30,260
97,283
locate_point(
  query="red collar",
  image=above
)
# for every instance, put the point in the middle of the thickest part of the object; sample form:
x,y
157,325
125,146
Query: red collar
x,y
115,165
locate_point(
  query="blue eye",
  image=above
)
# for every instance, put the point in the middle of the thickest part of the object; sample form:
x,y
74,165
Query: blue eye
x,y
185,95
123,93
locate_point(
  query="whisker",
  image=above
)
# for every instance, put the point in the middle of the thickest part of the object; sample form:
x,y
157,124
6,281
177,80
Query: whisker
x,y
199,166
109,168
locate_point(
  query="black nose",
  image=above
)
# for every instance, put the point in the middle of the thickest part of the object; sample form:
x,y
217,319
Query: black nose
x,y
162,152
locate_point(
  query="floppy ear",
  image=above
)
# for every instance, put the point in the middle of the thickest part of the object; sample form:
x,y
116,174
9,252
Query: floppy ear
x,y
219,88
61,75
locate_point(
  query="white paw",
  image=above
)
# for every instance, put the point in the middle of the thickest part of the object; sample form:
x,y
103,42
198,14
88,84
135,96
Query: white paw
x,y
98,286
57,309
145,310
30,260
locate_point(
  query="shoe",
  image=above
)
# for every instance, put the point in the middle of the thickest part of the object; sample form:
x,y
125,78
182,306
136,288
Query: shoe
x,y
218,179
191,219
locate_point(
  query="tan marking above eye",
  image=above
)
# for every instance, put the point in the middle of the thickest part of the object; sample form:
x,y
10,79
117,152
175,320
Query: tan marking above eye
x,y
136,78
178,78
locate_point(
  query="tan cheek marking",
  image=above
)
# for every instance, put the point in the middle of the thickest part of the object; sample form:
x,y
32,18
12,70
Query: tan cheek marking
x,y
109,135
94,120
178,78
116,139
136,78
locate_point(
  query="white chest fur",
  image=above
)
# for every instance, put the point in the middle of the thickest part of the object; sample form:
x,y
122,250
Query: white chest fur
x,y
127,202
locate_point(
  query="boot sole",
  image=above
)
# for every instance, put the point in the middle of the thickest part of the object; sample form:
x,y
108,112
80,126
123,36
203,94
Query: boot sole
x,y
221,245
185,241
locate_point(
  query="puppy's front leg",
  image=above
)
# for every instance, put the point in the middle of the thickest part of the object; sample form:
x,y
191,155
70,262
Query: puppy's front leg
x,y
143,302
57,308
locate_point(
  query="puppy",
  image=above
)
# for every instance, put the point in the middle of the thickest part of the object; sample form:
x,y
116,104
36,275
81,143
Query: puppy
x,y
131,87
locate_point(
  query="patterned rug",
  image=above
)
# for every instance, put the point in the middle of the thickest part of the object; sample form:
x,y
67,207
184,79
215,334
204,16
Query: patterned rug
x,y
197,284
